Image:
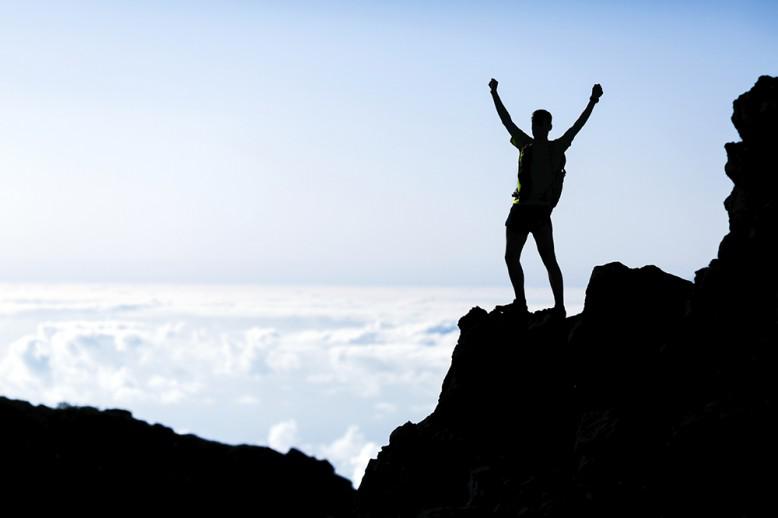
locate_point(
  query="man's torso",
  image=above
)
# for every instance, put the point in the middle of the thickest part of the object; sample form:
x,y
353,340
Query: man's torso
x,y
545,160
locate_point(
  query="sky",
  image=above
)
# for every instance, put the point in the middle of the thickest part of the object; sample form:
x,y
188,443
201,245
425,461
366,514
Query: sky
x,y
260,221
356,142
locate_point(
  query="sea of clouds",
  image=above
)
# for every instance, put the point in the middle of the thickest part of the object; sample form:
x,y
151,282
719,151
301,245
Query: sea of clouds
x,y
329,370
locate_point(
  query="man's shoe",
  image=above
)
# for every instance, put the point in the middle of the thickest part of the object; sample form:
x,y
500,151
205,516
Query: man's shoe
x,y
559,312
513,307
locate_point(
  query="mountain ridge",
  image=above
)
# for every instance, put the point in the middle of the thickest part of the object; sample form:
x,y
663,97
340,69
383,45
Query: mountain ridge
x,y
85,459
657,400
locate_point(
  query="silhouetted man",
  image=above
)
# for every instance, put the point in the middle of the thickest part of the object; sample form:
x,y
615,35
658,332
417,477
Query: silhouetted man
x,y
541,166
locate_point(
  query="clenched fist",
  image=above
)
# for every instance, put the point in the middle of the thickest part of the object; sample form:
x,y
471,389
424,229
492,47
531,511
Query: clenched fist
x,y
493,84
596,92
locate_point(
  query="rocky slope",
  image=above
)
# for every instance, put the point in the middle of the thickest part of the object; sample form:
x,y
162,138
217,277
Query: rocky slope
x,y
85,460
659,399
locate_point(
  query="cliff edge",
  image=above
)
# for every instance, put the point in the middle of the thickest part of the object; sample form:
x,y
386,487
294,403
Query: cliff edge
x,y
84,460
659,399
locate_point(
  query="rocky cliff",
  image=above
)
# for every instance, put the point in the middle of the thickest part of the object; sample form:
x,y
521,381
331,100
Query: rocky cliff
x,y
80,459
659,399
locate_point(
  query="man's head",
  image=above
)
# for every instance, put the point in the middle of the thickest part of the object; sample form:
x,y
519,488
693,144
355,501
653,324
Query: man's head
x,y
541,124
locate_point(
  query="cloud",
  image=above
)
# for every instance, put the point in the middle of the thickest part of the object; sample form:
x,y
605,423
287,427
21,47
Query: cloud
x,y
283,435
369,370
248,400
384,408
104,362
230,363
351,453
247,355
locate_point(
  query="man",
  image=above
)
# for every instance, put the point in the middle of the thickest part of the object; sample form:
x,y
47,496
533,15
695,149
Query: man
x,y
541,162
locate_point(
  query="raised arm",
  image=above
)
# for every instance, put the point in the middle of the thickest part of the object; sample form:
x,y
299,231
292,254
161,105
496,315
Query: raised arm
x,y
505,117
576,127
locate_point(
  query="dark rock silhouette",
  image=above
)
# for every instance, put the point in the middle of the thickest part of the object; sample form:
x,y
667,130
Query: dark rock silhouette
x,y
82,459
659,399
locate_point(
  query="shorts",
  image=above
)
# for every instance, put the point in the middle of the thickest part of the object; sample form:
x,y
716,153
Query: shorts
x,y
528,218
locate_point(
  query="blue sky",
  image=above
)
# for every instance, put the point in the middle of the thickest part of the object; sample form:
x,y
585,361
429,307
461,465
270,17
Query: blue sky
x,y
356,142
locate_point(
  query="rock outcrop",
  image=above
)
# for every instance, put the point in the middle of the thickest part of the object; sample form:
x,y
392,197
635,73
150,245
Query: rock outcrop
x,y
659,399
86,460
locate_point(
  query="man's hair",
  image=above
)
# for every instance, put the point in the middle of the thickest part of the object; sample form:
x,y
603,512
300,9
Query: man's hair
x,y
541,116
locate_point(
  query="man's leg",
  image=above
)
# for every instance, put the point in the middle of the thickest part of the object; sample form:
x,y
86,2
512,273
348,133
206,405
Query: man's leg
x,y
514,243
544,239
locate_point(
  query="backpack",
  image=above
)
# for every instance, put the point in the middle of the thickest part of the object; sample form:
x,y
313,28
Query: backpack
x,y
525,183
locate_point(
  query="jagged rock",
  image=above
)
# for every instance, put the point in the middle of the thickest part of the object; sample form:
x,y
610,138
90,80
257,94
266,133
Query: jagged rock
x,y
511,417
80,458
742,281
659,399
